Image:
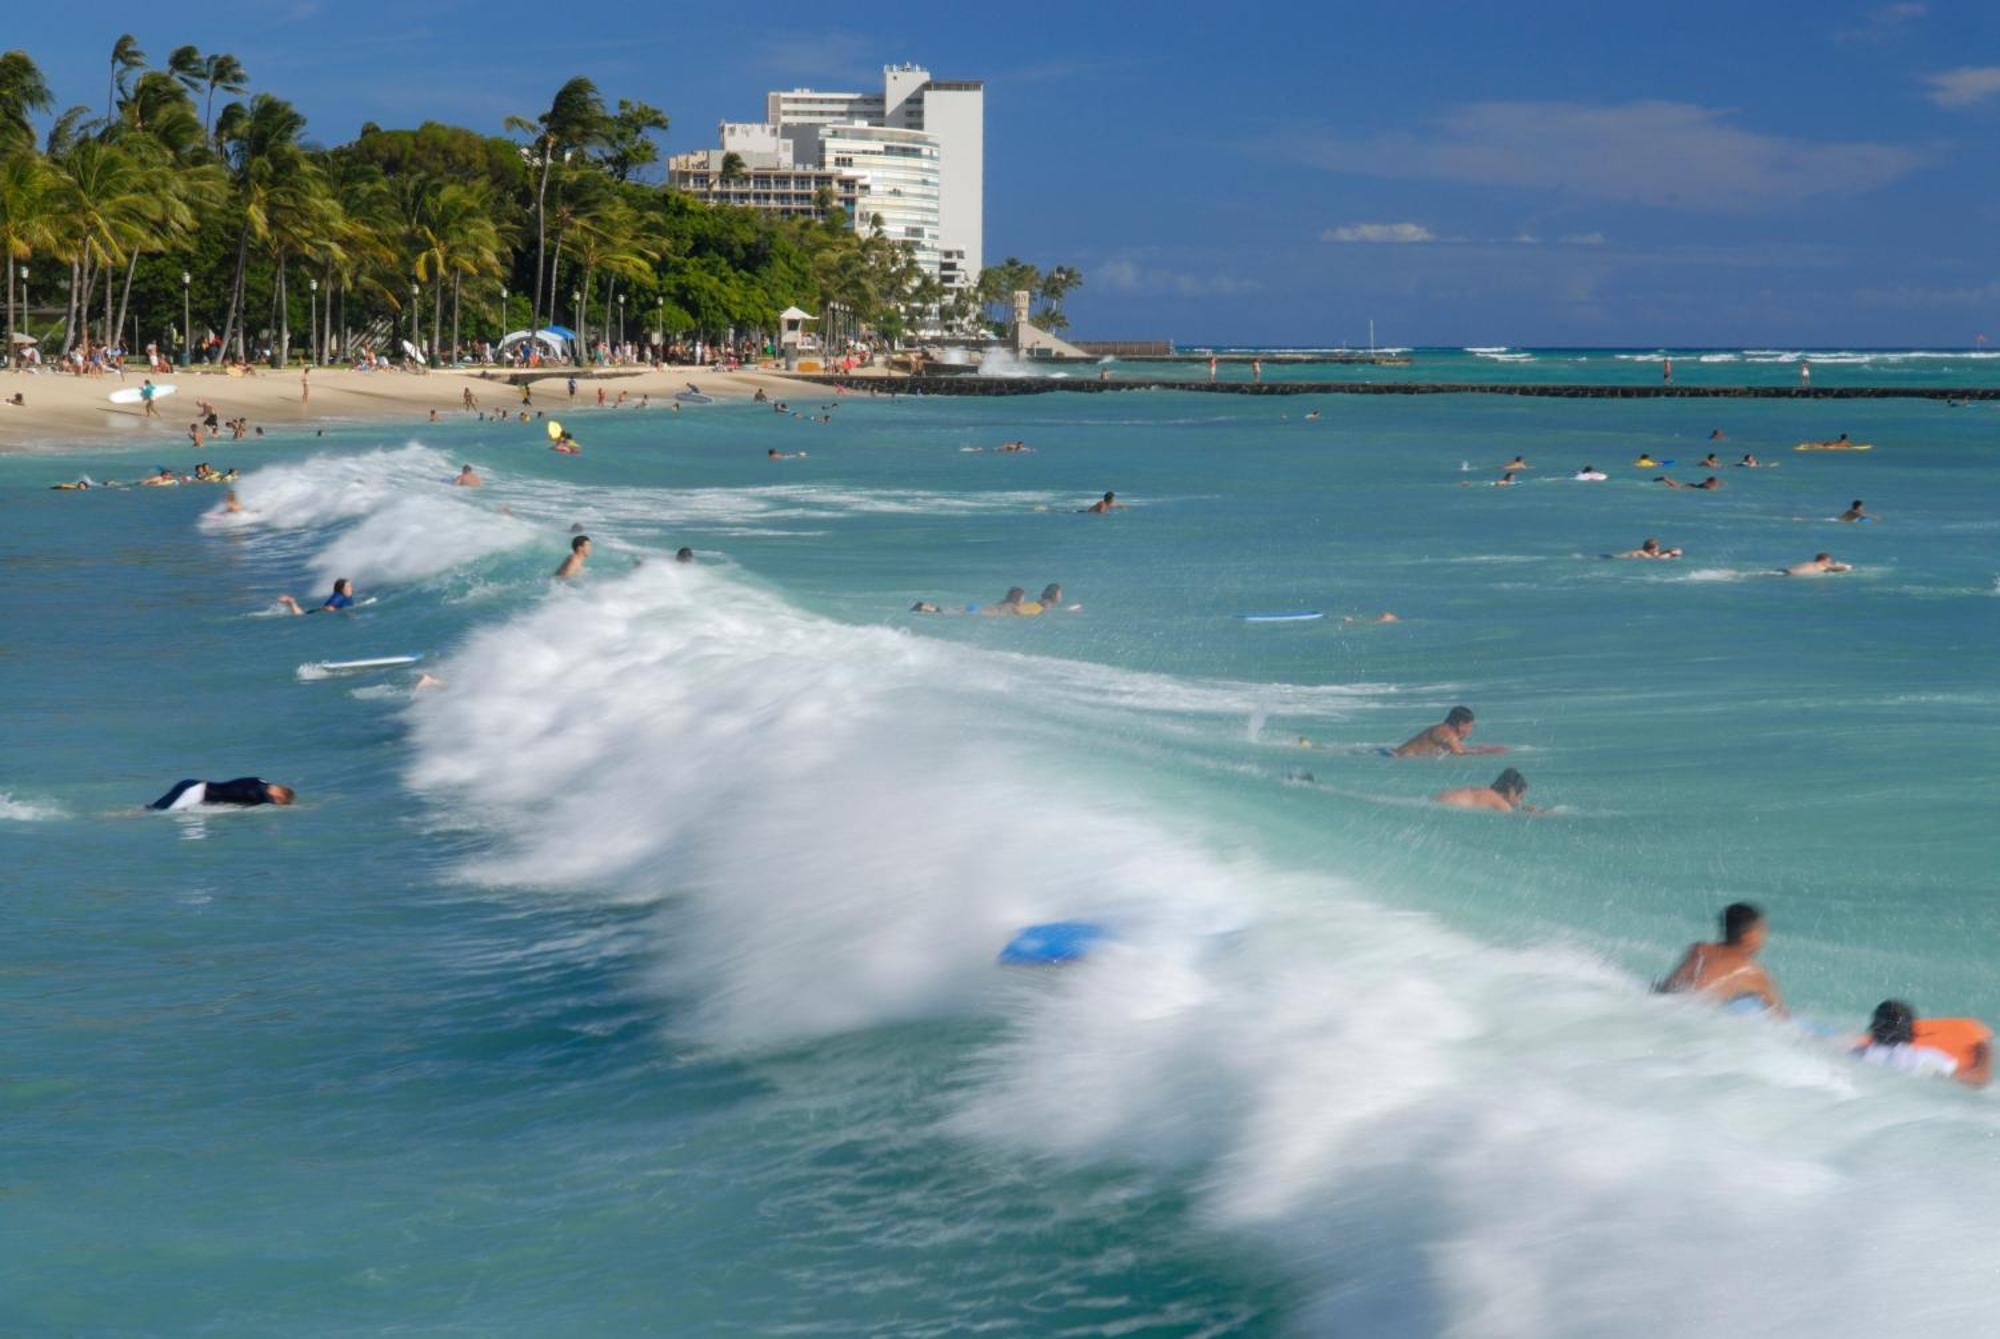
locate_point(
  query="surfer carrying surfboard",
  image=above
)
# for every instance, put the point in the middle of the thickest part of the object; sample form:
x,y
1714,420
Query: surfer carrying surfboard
x,y
339,602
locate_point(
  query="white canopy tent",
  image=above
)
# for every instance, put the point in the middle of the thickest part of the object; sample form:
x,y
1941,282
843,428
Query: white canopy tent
x,y
553,340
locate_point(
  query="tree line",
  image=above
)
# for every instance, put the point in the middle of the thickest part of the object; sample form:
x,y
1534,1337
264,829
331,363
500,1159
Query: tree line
x,y
163,209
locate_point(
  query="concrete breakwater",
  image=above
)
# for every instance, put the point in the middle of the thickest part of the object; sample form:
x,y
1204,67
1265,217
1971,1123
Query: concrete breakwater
x,y
923,385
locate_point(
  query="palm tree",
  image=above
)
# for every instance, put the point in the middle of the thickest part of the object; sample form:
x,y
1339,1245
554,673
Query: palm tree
x,y
609,234
23,91
106,201
575,120
157,122
27,221
260,145
225,72
452,236
125,58
733,168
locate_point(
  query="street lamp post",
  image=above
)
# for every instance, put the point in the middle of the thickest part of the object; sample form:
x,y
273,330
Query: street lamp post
x,y
576,312
415,293
187,326
13,353
621,320
660,340
313,343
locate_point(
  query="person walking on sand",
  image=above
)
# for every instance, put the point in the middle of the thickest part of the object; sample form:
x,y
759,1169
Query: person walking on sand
x,y
470,403
305,386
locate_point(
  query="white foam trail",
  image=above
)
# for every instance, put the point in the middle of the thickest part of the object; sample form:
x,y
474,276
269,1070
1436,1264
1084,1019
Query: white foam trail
x,y
14,810
407,523
841,825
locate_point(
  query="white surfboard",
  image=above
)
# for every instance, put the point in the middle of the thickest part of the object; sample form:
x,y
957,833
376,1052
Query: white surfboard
x,y
134,394
321,668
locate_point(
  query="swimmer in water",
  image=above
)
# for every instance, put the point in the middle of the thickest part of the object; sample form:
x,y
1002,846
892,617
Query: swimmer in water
x,y
1504,481
466,478
1709,462
244,792
1645,462
1958,1048
1503,796
1821,564
579,553
1749,462
1708,485
1590,474
1517,463
339,602
1051,596
1448,736
684,555
1649,549
1384,617
1717,435
1854,512
1104,506
230,503
1010,603
1728,970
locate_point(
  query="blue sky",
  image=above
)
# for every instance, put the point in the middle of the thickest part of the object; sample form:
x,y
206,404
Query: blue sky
x,y
1817,174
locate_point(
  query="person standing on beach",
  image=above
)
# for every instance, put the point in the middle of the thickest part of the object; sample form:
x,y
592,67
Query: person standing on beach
x,y
305,386
572,388
146,397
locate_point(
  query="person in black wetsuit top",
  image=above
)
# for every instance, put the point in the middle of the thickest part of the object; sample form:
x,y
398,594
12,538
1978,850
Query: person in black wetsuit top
x,y
244,791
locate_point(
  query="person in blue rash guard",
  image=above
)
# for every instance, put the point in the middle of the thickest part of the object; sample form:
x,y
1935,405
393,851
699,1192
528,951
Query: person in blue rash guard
x,y
340,601
244,792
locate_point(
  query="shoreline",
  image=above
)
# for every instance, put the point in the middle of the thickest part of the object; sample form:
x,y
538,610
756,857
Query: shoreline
x,y
1045,385
64,411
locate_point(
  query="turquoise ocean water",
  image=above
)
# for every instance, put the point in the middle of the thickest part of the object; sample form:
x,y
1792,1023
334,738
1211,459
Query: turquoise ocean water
x,y
640,979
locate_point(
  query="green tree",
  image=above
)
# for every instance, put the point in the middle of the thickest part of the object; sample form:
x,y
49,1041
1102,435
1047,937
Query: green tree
x,y
629,145
574,121
125,58
27,221
23,92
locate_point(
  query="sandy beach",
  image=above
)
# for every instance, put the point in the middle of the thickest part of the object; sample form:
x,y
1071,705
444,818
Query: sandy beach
x,y
61,410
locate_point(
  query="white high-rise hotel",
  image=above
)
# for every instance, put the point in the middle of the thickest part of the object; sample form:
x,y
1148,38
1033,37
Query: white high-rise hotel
x,y
913,155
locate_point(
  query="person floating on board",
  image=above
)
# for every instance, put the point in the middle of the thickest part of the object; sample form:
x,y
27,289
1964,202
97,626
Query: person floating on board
x,y
1749,462
467,478
339,602
1958,1048
1649,548
1503,796
1728,970
244,792
1821,564
1103,506
1854,512
1448,736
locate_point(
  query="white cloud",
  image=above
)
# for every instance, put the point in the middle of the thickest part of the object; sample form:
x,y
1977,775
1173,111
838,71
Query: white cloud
x,y
1671,154
1964,86
1125,276
1879,24
1379,232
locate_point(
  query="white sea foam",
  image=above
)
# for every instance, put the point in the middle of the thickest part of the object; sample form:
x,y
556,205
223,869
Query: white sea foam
x,y
841,825
394,516
14,810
